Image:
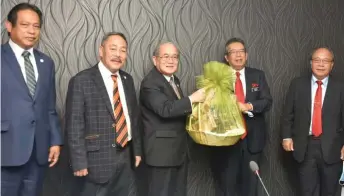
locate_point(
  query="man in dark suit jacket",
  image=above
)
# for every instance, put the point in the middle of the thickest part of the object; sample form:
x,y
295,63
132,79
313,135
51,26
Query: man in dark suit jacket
x,y
164,111
30,129
312,126
102,122
254,97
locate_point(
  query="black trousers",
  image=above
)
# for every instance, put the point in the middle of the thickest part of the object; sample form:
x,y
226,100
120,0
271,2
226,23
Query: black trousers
x,y
167,181
314,171
224,162
122,182
247,180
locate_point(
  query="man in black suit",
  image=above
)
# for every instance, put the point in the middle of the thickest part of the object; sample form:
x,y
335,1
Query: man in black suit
x,y
164,111
253,96
312,125
102,122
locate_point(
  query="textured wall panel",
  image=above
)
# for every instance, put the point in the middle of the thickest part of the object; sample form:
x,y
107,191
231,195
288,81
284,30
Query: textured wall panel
x,y
279,35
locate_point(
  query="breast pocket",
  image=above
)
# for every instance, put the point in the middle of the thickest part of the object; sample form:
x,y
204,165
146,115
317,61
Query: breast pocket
x,y
92,143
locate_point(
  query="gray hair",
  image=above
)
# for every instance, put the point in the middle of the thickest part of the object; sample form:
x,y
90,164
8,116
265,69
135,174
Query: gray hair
x,y
107,35
157,49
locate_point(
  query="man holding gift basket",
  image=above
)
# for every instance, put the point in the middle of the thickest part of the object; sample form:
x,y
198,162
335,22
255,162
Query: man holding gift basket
x,y
164,112
253,96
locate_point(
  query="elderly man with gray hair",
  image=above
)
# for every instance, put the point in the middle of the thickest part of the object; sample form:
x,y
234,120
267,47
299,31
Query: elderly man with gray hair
x,y
164,110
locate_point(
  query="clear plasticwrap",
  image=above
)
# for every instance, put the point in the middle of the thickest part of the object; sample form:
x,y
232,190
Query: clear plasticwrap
x,y
217,121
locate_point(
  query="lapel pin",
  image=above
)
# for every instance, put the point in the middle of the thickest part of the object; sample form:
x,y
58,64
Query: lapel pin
x,y
41,60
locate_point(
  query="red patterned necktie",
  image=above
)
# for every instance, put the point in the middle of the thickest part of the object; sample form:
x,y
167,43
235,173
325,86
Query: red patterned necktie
x,y
239,92
316,121
121,124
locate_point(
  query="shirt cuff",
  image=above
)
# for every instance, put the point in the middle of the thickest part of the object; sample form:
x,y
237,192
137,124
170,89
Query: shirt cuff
x,y
190,102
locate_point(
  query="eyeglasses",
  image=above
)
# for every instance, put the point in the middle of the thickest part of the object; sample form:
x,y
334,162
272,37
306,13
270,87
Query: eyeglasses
x,y
167,58
324,61
235,52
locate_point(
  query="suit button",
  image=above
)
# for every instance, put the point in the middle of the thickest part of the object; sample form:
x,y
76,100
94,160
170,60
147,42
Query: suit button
x,y
113,145
33,122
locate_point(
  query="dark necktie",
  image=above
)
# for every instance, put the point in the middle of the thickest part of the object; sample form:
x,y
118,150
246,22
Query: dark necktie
x,y
175,89
239,92
121,124
30,74
316,120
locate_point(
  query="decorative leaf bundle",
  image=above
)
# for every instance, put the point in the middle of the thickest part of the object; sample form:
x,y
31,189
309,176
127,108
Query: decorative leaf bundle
x,y
218,120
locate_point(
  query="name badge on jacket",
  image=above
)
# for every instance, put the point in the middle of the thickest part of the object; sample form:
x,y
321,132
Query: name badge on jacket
x,y
254,87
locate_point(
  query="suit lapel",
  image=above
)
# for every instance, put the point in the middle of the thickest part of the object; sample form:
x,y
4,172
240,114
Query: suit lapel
x,y
98,79
126,89
328,96
248,80
12,62
41,76
308,94
167,84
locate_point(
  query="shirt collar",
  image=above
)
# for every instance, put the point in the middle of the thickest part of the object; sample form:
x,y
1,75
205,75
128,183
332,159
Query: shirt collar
x,y
105,71
242,72
168,78
324,81
18,51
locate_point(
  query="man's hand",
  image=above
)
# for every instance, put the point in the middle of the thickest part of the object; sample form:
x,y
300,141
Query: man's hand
x,y
54,153
342,153
137,161
288,144
81,173
198,96
244,107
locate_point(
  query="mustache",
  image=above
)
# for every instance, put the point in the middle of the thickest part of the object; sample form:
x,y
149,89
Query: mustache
x,y
116,59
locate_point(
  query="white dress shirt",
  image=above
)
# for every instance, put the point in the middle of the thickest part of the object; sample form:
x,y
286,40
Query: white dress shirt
x,y
18,51
314,90
168,78
106,75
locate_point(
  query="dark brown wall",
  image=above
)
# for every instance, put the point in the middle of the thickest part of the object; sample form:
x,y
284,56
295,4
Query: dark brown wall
x,y
279,35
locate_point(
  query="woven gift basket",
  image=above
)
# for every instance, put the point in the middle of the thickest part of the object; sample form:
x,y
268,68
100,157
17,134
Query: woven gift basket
x,y
218,120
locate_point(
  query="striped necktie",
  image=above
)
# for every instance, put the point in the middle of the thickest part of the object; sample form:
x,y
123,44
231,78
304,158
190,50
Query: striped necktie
x,y
174,86
30,74
121,124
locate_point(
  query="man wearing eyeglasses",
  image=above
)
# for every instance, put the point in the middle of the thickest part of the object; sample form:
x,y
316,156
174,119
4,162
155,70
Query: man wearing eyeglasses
x,y
164,111
312,126
253,96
